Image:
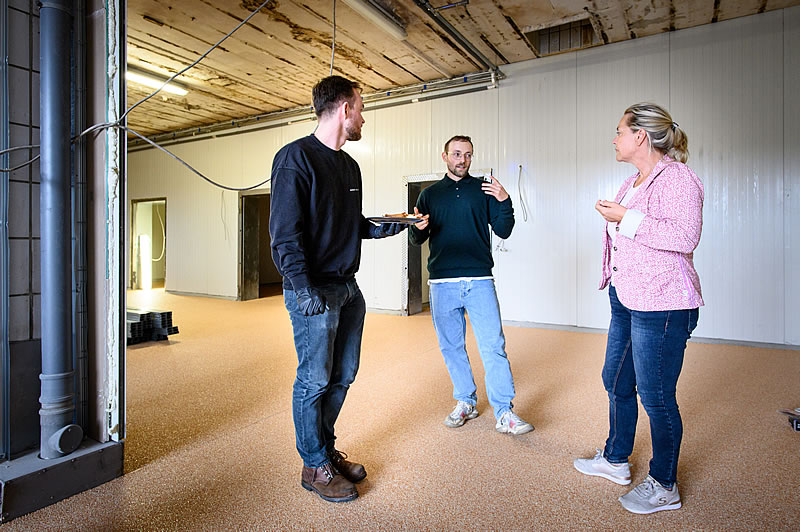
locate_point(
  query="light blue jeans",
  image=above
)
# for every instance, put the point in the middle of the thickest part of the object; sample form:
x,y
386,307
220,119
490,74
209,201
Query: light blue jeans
x,y
449,301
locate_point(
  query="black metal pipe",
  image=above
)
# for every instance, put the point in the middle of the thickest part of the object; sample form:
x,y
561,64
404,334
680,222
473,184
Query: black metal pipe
x,y
462,41
59,436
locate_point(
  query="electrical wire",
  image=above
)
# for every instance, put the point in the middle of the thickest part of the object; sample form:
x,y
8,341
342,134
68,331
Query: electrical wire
x,y
521,197
187,165
15,148
242,23
163,236
333,44
118,123
23,165
26,163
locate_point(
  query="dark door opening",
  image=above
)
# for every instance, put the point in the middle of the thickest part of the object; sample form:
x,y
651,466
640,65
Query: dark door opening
x,y
259,276
417,258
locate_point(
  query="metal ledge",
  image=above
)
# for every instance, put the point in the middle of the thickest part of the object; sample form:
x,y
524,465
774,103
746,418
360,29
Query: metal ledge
x,y
29,483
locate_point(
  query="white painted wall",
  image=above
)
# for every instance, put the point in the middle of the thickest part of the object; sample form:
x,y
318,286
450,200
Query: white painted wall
x,y
732,86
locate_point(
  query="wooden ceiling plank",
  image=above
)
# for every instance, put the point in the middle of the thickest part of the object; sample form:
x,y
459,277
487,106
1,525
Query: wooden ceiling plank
x,y
486,19
222,60
208,108
270,71
729,9
382,49
143,52
434,43
307,28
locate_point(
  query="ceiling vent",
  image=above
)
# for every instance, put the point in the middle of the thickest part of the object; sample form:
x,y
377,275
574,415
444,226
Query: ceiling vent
x,y
567,37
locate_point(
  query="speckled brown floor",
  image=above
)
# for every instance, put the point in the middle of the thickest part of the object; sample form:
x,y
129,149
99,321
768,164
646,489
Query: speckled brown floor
x,y
210,442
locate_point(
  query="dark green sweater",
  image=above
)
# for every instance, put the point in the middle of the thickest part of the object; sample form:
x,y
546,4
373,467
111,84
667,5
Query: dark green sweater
x,y
461,213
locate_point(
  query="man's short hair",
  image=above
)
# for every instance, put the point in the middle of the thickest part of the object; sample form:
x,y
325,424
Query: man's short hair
x,y
458,138
329,93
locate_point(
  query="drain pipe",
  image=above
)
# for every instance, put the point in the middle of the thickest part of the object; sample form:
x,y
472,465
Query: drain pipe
x,y
59,436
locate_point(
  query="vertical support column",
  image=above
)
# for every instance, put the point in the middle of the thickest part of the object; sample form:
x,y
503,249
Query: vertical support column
x,y
59,436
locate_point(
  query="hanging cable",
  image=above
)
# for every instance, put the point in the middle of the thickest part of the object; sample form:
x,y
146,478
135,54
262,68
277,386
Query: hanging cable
x,y
333,44
15,148
163,236
23,165
184,163
26,163
521,196
118,123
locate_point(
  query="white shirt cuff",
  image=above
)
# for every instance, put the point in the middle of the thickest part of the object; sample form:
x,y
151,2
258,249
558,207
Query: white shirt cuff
x,y
630,223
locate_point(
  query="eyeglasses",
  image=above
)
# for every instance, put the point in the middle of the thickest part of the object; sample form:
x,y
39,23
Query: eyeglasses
x,y
458,155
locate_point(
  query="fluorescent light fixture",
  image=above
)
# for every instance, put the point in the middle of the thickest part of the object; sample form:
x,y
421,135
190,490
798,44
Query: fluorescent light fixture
x,y
379,17
147,81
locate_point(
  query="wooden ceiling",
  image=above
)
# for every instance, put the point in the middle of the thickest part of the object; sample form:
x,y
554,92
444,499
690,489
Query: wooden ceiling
x,y
271,63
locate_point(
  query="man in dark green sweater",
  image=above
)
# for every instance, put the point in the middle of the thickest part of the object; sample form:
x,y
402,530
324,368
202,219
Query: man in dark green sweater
x,y
458,212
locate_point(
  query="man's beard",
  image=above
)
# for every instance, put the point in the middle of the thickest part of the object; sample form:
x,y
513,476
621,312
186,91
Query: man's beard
x,y
352,132
458,172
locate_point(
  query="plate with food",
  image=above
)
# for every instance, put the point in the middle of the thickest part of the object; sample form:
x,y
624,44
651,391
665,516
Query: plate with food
x,y
400,217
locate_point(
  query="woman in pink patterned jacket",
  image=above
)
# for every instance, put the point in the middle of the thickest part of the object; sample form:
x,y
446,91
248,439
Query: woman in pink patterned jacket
x,y
652,229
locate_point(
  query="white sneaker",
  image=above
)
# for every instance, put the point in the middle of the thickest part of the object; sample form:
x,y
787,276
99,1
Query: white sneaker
x,y
460,414
511,423
600,467
650,496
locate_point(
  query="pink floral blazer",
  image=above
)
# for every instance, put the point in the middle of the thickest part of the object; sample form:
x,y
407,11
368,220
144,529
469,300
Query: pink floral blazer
x,y
655,270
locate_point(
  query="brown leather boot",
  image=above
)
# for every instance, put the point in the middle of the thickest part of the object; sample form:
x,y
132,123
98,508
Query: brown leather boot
x,y
326,482
350,470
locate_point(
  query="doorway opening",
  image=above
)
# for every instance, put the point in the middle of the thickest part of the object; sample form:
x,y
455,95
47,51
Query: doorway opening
x,y
258,275
148,265
417,292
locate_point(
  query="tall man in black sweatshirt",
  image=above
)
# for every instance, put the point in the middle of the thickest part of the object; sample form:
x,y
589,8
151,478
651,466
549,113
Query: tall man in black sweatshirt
x,y
316,227
459,210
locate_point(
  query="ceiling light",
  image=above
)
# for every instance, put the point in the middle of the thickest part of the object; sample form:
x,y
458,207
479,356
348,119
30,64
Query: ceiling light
x,y
147,81
379,17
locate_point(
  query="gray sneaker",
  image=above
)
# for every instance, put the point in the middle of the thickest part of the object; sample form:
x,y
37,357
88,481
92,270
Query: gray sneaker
x,y
460,414
600,467
511,423
650,496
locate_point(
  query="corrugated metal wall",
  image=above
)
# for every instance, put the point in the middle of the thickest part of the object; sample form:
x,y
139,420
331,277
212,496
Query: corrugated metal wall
x,y
547,132
727,91
791,169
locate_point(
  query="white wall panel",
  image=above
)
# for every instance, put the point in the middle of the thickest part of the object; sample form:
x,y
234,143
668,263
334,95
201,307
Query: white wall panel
x,y
536,276
363,151
403,147
727,91
474,115
791,151
609,79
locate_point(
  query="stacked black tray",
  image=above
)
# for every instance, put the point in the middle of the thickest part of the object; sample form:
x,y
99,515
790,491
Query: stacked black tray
x,y
143,325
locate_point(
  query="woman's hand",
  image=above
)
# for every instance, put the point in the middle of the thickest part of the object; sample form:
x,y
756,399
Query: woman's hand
x,y
610,210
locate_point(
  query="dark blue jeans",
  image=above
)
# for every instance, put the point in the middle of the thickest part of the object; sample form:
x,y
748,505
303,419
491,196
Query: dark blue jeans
x,y
328,352
645,354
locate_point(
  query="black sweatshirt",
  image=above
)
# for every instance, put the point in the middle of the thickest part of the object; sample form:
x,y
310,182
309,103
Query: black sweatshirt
x,y
461,213
315,221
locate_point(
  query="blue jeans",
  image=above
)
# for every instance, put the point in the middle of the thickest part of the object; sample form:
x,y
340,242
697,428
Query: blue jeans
x,y
449,301
328,352
645,354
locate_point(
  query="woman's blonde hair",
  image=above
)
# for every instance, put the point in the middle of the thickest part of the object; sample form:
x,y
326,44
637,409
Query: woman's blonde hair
x,y
662,132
